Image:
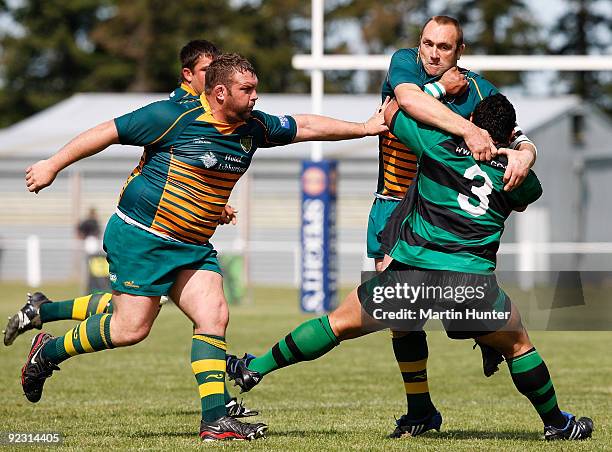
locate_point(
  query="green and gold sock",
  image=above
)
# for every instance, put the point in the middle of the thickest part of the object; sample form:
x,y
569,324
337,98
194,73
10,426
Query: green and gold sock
x,y
208,365
411,353
78,308
531,378
308,341
91,335
226,395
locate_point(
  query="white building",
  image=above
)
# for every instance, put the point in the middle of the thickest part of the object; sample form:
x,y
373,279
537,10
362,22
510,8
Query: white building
x,y
575,169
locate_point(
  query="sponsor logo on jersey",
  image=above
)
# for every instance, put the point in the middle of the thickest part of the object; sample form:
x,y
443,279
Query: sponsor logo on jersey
x,y
246,143
233,158
231,168
462,151
201,140
131,284
208,159
284,122
112,277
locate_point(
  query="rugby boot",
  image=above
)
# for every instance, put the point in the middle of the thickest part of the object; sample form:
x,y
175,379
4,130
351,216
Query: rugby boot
x,y
36,369
491,359
26,318
238,371
574,430
408,427
237,410
228,428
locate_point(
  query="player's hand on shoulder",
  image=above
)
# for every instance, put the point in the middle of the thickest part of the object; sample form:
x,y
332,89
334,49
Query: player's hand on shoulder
x,y
229,215
480,143
454,82
517,170
376,124
40,175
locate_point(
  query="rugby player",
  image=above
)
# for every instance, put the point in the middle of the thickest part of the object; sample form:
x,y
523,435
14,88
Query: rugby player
x,y
416,78
195,56
453,221
157,242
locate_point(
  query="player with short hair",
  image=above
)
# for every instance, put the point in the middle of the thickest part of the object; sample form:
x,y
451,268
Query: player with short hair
x,y
158,240
453,220
416,78
195,57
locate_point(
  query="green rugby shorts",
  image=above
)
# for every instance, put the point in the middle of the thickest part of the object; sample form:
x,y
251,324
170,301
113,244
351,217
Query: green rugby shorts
x,y
379,215
141,263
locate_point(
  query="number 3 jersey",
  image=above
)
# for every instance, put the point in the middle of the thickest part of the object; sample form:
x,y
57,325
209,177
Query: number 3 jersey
x,y
453,217
190,164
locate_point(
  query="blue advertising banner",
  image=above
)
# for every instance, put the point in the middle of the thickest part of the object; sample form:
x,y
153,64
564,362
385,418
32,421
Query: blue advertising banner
x,y
319,252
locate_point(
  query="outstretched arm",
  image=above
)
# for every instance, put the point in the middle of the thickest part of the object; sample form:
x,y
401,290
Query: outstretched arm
x,y
323,128
42,173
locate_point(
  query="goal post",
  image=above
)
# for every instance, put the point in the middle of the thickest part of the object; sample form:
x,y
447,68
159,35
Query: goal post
x,y
473,62
317,63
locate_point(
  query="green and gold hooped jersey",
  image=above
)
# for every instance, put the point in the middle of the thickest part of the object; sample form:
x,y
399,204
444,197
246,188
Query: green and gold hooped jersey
x,y
397,163
454,217
190,164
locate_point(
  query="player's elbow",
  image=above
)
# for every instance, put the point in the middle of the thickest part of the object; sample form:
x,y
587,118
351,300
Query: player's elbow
x,y
408,101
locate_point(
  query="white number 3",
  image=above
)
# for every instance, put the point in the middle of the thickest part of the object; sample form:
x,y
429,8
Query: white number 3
x,y
482,192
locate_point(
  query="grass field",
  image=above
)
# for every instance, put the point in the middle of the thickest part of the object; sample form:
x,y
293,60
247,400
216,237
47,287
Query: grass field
x,y
145,397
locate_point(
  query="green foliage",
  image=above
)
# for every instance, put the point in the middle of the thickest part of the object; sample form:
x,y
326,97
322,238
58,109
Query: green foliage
x,y
586,28
50,57
384,27
498,28
269,33
132,45
56,48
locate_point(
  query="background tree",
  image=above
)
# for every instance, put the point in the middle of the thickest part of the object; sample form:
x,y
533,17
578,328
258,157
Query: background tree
x,y
498,28
269,33
47,56
142,39
383,27
586,28
54,48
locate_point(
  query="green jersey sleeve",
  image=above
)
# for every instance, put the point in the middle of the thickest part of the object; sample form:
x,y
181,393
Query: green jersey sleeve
x,y
277,130
149,123
405,68
526,193
415,135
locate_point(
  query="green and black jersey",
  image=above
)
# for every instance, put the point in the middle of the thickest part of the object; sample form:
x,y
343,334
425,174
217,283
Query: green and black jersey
x,y
453,217
397,163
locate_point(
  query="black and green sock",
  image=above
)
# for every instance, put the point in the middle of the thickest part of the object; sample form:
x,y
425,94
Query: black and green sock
x,y
78,308
91,335
308,341
411,353
208,365
531,378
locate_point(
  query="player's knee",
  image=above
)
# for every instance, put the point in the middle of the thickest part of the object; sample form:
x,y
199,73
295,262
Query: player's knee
x,y
344,327
213,316
520,344
131,334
